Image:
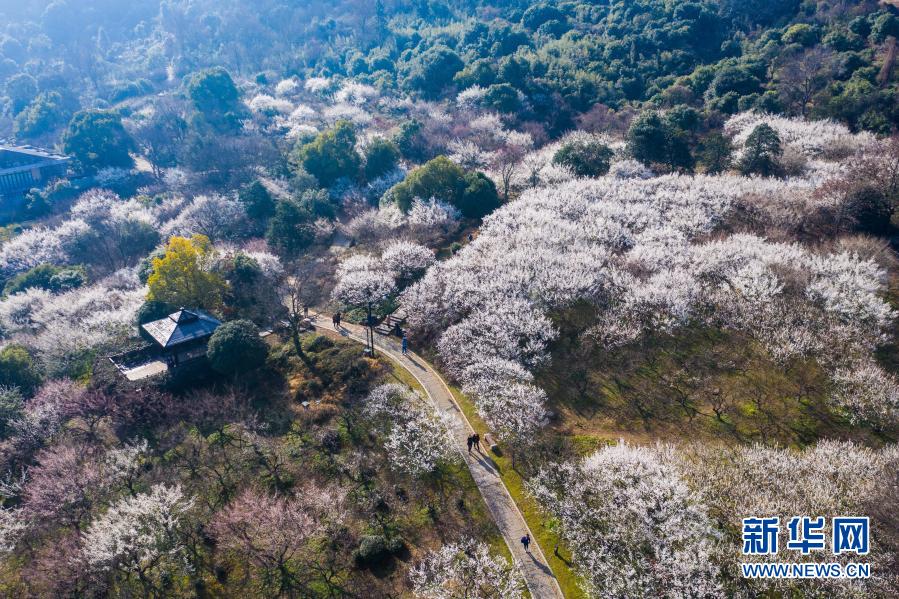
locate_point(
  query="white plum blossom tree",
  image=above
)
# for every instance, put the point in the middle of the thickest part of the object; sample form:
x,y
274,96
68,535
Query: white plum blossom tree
x,y
469,155
62,326
287,87
217,217
267,105
866,392
630,169
275,534
41,245
471,97
406,260
364,283
364,287
463,570
317,85
832,478
638,250
12,526
139,534
417,439
812,139
356,93
634,527
432,219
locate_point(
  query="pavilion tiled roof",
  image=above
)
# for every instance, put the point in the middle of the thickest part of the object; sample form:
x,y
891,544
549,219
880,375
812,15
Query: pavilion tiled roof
x,y
181,327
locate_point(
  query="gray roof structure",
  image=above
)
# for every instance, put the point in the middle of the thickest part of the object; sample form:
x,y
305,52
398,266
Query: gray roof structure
x,y
181,327
14,159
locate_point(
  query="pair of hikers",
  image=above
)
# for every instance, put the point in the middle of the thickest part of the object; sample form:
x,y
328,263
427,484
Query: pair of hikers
x,y
335,320
474,441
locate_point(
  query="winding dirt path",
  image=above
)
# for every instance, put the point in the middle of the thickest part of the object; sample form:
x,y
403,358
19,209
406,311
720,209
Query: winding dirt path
x,y
537,574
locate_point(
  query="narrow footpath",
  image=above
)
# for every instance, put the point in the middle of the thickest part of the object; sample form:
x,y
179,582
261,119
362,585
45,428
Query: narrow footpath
x,y
537,574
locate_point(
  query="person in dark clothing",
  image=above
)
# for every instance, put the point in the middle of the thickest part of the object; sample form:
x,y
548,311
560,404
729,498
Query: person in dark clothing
x,y
405,344
476,441
337,320
470,442
526,541
305,311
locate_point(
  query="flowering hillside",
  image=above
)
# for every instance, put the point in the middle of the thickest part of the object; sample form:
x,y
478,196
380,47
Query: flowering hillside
x,y
449,299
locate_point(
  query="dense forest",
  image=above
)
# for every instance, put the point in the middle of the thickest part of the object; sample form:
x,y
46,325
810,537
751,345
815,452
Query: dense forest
x,y
563,61
649,245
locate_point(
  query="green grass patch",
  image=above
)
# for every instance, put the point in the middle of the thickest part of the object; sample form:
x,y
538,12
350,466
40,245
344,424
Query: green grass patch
x,y
699,384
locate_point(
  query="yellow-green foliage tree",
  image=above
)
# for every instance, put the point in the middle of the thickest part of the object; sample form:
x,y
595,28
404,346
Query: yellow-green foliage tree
x,y
183,277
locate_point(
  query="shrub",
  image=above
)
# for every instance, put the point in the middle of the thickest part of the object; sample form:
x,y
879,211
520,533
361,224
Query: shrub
x,y
44,115
17,369
380,158
309,390
216,97
97,139
473,193
479,198
235,347
376,549
588,158
11,404
433,70
318,344
130,89
761,152
802,34
652,139
290,230
257,201
47,276
331,155
502,97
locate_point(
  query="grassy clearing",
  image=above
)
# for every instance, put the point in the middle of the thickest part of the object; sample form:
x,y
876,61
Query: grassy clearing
x,y
699,384
533,515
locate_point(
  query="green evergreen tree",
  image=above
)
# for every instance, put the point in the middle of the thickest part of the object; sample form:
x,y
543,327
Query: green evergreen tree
x,y
761,152
235,347
331,155
96,139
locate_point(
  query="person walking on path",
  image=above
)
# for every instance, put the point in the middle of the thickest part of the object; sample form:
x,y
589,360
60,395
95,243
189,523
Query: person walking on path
x,y
405,344
526,541
470,442
476,441
336,321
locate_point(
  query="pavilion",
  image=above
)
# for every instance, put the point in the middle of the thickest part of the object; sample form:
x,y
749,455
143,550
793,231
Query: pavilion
x,y
183,335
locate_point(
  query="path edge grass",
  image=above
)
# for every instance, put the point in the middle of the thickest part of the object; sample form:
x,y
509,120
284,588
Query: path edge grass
x,y
533,515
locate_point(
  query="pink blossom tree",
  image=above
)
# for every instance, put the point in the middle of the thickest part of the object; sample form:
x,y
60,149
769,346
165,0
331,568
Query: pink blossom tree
x,y
277,536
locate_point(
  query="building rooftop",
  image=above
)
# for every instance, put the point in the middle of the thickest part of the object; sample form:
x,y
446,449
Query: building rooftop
x,y
181,327
21,158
